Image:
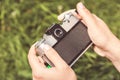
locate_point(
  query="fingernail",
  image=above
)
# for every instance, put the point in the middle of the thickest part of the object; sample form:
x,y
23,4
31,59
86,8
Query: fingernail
x,y
81,5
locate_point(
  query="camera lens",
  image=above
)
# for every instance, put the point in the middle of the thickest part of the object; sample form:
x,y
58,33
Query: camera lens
x,y
58,32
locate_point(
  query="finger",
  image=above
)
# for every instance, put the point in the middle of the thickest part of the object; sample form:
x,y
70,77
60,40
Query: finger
x,y
98,51
86,15
83,22
33,59
97,18
53,56
42,62
76,15
61,16
40,59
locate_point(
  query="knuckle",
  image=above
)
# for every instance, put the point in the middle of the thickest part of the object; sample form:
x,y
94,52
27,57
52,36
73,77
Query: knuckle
x,y
37,75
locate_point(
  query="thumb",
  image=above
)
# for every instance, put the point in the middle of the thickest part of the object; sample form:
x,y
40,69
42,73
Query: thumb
x,y
86,15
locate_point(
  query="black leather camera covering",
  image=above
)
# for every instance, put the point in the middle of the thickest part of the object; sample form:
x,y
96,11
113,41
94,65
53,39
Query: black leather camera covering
x,y
53,31
73,43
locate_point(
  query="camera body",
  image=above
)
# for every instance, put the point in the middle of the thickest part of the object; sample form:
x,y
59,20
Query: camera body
x,y
70,40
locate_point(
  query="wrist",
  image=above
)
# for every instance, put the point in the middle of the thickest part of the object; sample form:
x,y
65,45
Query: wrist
x,y
113,53
114,50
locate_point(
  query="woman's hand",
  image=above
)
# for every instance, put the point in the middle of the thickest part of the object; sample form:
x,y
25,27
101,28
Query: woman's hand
x,y
61,71
105,43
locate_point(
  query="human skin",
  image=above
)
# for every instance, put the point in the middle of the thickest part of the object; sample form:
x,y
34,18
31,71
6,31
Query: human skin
x,y
61,71
105,44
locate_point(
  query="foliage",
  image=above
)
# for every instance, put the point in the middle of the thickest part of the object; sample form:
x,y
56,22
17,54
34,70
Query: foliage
x,y
22,22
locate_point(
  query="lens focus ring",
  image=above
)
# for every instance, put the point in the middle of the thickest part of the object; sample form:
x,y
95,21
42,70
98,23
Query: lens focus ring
x,y
58,32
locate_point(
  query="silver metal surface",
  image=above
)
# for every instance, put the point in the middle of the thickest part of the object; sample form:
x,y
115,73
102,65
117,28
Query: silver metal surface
x,y
49,39
69,22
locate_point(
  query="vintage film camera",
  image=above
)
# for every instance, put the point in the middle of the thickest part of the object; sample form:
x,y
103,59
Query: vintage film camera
x,y
70,40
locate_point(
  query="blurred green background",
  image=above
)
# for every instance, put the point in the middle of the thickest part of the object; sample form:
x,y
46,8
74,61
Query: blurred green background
x,y
22,22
